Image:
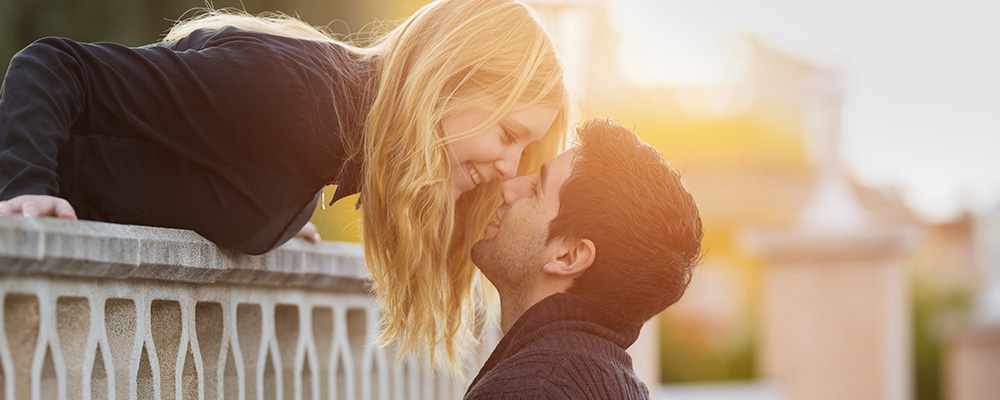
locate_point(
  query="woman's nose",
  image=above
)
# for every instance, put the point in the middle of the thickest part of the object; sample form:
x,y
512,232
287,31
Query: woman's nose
x,y
508,165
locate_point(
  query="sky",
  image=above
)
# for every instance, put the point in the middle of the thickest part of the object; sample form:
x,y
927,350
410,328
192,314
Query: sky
x,y
922,79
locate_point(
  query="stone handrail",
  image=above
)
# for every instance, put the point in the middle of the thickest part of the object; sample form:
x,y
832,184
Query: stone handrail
x,y
94,310
101,250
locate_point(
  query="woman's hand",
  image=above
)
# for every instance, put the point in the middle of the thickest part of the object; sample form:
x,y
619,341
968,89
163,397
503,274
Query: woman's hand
x,y
30,205
309,233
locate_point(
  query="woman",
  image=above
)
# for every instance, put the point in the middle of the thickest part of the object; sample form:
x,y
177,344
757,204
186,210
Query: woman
x,y
232,125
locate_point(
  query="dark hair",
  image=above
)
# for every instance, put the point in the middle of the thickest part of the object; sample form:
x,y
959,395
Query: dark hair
x,y
627,199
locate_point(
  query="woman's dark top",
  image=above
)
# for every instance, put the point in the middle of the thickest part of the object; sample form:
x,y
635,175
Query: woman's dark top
x,y
226,132
563,347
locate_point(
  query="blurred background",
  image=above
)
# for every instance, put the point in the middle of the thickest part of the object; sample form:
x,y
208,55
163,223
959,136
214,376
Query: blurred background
x,y
842,154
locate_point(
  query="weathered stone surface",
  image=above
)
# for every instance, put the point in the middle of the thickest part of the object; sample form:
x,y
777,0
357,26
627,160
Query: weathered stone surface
x,y
327,265
83,248
20,243
277,267
50,246
177,255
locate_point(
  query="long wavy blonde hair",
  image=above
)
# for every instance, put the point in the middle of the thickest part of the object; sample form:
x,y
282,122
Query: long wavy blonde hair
x,y
448,56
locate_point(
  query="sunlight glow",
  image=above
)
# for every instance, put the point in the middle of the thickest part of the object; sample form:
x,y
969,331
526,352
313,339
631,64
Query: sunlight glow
x,y
920,110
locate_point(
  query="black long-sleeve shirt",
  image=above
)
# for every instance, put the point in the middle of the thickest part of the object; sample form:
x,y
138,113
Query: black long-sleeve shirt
x,y
226,132
563,347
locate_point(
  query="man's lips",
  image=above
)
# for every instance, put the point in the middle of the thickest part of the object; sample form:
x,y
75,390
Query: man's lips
x,y
493,227
498,215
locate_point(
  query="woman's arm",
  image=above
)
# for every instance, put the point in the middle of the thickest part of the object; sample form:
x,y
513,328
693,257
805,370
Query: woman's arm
x,y
196,97
41,97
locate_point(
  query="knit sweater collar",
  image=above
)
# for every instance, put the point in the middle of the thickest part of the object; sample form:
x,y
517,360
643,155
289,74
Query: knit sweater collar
x,y
556,315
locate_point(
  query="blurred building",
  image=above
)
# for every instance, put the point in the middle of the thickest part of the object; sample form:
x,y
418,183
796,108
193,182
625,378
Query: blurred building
x,y
762,153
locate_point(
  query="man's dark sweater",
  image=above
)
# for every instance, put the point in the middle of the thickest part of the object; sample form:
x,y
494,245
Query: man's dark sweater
x,y
564,347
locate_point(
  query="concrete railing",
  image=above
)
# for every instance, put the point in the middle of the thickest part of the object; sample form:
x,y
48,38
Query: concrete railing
x,y
93,310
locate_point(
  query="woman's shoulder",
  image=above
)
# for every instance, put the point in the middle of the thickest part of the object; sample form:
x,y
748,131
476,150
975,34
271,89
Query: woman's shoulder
x,y
234,36
308,61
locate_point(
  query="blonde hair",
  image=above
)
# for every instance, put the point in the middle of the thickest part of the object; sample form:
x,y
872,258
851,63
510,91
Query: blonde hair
x,y
416,238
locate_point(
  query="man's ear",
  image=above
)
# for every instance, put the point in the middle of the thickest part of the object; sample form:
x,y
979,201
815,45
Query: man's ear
x,y
571,257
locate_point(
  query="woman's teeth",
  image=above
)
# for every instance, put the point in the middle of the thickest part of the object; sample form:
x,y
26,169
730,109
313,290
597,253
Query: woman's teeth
x,y
474,175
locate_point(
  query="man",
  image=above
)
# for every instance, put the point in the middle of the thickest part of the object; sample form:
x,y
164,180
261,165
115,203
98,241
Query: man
x,y
602,239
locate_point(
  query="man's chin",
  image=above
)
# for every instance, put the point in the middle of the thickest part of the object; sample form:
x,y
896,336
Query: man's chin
x,y
477,251
482,247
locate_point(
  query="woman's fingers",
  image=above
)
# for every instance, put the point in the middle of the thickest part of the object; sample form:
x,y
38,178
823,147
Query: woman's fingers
x,y
30,205
64,210
308,232
30,209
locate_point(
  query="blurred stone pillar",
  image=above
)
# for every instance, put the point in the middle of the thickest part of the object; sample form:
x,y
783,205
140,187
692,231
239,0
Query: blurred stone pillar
x,y
972,363
834,318
972,360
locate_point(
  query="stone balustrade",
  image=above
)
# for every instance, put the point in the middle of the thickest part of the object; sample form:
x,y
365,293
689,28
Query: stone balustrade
x,y
104,311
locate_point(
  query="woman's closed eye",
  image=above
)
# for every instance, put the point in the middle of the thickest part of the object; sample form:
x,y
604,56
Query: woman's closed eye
x,y
509,137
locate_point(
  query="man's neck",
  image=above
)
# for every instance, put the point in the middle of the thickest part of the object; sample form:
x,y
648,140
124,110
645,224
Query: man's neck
x,y
513,306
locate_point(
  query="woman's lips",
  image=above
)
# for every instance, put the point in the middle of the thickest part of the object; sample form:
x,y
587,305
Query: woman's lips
x,y
472,177
474,174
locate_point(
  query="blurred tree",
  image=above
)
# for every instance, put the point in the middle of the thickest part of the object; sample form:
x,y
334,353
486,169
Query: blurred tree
x,y
935,304
141,22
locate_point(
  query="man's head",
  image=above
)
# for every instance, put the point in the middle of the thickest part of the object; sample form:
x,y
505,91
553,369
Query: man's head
x,y
608,220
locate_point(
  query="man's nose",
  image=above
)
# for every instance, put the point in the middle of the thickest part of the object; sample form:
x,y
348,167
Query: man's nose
x,y
512,189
